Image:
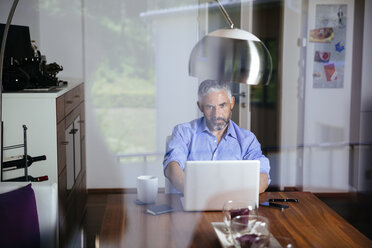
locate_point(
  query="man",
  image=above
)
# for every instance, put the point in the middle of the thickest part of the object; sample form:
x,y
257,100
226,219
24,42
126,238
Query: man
x,y
212,137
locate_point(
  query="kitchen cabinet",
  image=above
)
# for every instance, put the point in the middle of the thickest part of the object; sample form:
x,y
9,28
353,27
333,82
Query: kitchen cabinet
x,y
56,128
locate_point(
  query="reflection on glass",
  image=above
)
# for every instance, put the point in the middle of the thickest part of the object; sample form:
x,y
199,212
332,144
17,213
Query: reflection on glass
x,y
122,75
231,60
233,208
250,231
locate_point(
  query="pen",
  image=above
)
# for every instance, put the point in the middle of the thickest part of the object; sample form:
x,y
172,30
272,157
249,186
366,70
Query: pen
x,y
283,200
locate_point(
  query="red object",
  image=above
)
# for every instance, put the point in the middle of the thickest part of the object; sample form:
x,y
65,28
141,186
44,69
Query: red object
x,y
330,72
325,56
42,178
237,212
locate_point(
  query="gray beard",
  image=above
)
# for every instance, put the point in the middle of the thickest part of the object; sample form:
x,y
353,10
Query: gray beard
x,y
217,127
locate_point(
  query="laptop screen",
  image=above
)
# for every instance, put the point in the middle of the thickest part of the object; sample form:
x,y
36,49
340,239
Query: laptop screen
x,y
209,184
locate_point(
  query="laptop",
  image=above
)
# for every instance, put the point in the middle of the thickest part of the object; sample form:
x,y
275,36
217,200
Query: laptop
x,y
209,184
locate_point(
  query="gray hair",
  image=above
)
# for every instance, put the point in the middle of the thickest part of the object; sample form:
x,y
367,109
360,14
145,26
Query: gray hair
x,y
208,86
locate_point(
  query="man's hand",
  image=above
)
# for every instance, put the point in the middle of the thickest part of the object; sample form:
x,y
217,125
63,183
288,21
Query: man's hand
x,y
175,175
264,182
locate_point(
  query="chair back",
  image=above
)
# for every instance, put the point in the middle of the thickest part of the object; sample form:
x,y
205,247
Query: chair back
x,y
46,196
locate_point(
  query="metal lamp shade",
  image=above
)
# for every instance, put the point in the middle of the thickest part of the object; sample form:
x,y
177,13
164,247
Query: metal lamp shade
x,y
231,55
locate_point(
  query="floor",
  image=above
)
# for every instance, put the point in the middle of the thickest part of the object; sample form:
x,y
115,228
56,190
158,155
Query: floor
x,y
356,209
96,205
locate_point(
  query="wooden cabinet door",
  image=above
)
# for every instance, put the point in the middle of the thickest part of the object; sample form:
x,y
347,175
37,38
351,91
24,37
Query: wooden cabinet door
x,y
70,156
77,147
61,146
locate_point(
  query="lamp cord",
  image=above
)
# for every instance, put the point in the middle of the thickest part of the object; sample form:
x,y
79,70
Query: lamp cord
x,y
2,51
227,17
5,34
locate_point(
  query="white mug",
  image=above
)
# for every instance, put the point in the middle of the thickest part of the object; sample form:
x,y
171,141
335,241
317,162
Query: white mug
x,y
147,188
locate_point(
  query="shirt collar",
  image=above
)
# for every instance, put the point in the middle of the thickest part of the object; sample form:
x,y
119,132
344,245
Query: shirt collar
x,y
230,130
202,126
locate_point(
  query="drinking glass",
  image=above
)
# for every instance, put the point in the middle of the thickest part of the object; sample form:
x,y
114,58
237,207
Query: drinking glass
x,y
250,231
235,208
232,209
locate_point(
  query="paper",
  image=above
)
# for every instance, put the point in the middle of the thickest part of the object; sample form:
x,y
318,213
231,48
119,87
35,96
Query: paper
x,y
159,209
226,242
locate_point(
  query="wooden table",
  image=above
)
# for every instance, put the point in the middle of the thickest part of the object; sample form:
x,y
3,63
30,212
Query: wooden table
x,y
309,223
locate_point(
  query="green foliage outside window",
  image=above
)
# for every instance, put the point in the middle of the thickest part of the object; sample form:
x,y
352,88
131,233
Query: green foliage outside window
x,y
123,83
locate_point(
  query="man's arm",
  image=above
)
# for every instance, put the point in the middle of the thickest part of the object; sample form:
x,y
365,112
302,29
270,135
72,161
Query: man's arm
x,y
254,152
175,175
264,182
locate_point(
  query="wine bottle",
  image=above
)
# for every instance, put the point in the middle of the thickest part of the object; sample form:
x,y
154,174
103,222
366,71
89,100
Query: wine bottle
x,y
17,162
29,178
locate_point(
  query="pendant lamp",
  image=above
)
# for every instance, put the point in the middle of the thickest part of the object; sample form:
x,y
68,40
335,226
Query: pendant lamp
x,y
231,55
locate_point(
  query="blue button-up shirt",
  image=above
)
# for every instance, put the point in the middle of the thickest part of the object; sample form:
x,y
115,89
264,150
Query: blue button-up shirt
x,y
194,141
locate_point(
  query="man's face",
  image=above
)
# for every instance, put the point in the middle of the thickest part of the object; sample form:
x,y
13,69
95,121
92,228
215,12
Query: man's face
x,y
216,108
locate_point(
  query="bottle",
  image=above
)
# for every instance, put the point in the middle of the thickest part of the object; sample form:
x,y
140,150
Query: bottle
x,y
18,162
30,179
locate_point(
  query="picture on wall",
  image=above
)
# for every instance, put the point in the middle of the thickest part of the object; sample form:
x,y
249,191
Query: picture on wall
x,y
329,38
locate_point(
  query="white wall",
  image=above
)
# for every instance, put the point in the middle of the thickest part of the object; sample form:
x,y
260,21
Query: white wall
x,y
291,76
324,169
365,152
176,91
61,37
56,30
327,117
26,14
100,160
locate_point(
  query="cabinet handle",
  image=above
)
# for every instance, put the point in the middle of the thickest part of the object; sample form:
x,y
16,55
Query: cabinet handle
x,y
69,102
64,143
77,96
81,121
74,130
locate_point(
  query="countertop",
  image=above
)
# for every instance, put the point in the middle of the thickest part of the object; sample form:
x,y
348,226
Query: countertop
x,y
53,92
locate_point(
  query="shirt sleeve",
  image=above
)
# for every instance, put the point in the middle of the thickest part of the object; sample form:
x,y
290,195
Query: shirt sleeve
x,y
177,148
254,152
